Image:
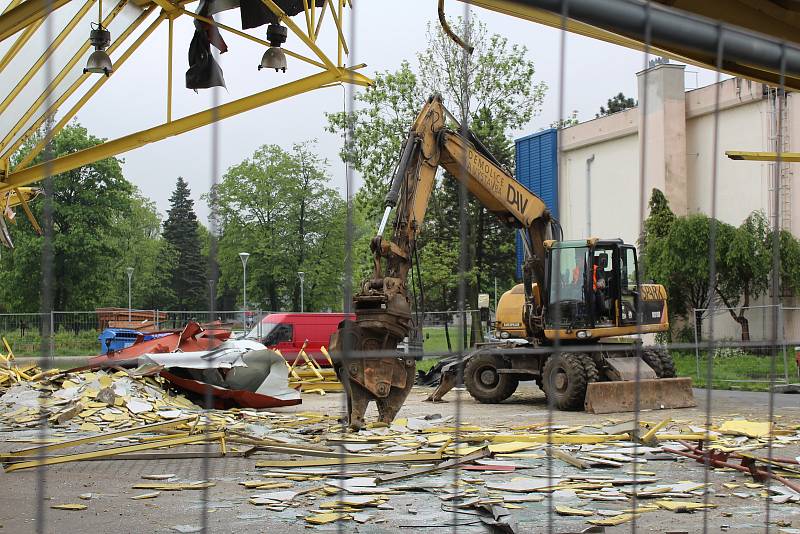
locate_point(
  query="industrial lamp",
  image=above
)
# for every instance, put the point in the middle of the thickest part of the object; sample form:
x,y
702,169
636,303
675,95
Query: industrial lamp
x,y
100,37
274,58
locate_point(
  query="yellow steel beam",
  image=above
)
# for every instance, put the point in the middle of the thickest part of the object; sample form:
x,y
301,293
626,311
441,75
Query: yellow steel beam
x,y
313,18
59,78
71,89
11,5
21,198
309,24
321,18
19,195
34,451
104,453
338,23
339,44
101,80
789,157
251,38
166,5
21,41
170,38
26,14
178,126
309,42
30,73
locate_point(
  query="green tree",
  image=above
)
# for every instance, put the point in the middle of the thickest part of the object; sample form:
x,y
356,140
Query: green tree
x,y
379,126
188,280
745,267
616,103
502,98
680,260
140,246
790,263
279,207
91,207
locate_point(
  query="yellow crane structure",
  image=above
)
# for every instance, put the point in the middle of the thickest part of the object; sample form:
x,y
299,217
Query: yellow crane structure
x,y
666,27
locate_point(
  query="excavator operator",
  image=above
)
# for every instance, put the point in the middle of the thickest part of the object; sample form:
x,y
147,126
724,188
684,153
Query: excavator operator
x,y
600,286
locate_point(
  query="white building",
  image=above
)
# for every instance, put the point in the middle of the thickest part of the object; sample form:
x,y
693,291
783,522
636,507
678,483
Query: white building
x,y
672,146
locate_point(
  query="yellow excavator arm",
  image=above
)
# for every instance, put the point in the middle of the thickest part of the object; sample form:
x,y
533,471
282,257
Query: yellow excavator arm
x,y
382,305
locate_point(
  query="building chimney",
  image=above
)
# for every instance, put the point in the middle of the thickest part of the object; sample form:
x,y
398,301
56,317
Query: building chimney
x,y
662,133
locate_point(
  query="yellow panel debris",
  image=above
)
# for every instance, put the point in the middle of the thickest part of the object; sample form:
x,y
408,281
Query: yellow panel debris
x,y
742,427
323,519
512,446
616,520
69,506
677,506
566,510
151,495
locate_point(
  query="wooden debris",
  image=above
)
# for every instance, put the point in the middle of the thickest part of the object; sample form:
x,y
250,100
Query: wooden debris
x,y
150,495
174,486
572,460
566,510
432,469
69,506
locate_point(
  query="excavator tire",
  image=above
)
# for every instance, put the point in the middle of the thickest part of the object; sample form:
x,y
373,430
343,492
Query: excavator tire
x,y
590,368
653,359
566,379
483,381
667,364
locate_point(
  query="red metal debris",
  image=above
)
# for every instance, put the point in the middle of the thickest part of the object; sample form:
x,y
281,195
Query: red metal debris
x,y
191,338
228,398
720,459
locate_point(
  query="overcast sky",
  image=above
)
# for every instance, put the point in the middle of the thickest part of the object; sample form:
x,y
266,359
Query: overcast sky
x,y
387,32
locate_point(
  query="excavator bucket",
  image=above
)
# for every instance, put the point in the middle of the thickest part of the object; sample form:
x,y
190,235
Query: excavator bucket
x,y
653,394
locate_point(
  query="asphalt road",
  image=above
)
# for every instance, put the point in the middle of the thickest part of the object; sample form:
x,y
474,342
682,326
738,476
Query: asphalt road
x,y
112,510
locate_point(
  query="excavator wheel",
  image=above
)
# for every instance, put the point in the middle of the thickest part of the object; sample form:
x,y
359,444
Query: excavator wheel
x,y
590,368
667,364
483,381
566,377
653,359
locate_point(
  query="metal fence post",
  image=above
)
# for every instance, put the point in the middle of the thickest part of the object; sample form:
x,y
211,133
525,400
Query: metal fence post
x,y
696,345
52,334
782,324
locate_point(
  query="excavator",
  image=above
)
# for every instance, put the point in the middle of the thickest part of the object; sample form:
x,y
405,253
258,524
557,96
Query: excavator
x,y
574,295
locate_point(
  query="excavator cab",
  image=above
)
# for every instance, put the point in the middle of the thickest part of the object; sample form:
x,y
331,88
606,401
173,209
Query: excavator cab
x,y
592,286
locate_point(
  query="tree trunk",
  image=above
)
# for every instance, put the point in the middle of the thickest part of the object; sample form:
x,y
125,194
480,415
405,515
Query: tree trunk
x,y
273,296
745,324
698,321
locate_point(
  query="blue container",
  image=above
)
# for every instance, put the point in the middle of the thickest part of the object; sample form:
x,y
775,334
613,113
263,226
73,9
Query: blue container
x,y
116,339
537,169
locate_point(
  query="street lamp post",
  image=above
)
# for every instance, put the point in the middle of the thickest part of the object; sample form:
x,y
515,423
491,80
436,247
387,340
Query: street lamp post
x,y
302,276
129,270
212,301
244,256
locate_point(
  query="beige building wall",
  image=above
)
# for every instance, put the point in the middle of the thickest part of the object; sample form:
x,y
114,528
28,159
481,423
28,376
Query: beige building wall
x,y
679,159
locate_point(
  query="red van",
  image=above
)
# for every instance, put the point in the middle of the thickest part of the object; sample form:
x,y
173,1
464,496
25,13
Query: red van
x,y
288,331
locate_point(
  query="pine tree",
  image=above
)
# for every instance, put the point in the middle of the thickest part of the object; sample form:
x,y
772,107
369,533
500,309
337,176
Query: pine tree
x,y
188,274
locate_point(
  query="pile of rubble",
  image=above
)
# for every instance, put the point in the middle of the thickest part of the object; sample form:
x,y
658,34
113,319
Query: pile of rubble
x,y
306,465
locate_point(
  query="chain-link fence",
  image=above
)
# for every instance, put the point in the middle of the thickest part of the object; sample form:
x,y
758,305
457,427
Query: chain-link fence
x,y
740,345
198,447
79,333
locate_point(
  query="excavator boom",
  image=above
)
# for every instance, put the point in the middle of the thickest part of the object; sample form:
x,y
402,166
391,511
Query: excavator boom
x,y
382,305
